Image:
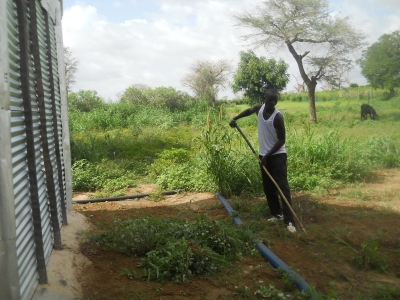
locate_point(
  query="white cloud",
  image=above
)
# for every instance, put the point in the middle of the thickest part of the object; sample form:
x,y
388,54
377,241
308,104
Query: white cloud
x,y
154,52
158,50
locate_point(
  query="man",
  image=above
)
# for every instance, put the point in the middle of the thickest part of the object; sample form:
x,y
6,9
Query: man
x,y
272,153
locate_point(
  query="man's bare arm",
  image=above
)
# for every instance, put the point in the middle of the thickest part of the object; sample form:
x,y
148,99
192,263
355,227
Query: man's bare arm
x,y
247,112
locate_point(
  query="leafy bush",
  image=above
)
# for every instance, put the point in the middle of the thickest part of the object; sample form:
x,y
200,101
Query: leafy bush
x,y
169,98
189,176
175,169
84,101
176,249
166,158
107,176
160,97
83,173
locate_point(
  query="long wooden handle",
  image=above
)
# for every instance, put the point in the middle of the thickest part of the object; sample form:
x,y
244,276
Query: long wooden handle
x,y
272,179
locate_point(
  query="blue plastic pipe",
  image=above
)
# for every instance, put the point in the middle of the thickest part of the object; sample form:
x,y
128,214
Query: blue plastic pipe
x,y
267,253
229,209
274,260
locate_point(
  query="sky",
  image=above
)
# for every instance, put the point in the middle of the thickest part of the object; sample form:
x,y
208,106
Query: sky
x,y
155,42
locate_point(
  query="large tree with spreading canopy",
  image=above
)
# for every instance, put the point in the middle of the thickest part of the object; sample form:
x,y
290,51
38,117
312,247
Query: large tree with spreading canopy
x,y
380,63
319,40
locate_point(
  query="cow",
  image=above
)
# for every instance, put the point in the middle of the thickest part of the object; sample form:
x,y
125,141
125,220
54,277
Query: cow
x,y
368,110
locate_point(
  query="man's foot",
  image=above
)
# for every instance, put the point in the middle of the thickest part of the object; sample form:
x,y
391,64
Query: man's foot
x,y
275,219
291,228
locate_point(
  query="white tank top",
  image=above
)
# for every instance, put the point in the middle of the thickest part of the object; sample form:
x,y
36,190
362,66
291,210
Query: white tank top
x,y
267,136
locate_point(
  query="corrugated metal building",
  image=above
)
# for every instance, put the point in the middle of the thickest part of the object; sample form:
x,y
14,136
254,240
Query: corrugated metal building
x,y
35,166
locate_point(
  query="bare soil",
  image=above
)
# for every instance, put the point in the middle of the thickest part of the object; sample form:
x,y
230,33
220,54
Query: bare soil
x,y
336,223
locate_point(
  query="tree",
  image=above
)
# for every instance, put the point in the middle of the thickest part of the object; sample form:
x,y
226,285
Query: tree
x,y
207,78
84,100
135,94
380,63
257,74
169,98
305,26
160,97
71,66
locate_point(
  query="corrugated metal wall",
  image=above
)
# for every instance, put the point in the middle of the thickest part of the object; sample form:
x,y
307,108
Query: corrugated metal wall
x,y
25,245
45,61
57,127
24,224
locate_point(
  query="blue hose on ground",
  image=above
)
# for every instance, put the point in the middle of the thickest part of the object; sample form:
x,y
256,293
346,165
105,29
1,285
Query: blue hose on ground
x,y
274,260
229,209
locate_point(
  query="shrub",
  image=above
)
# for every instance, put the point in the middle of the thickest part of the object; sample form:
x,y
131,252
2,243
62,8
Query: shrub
x,y
106,176
84,101
176,249
175,169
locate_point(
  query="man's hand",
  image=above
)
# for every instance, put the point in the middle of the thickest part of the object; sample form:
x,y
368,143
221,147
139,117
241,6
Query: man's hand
x,y
264,160
232,123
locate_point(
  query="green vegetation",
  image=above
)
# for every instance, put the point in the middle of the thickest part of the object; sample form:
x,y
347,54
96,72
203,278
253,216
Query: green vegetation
x,y
256,74
387,292
115,146
380,63
175,249
370,257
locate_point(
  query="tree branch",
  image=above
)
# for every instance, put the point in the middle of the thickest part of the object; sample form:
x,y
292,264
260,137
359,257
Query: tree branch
x,y
304,55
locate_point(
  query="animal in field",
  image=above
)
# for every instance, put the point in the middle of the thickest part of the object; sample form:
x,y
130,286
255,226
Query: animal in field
x,y
368,110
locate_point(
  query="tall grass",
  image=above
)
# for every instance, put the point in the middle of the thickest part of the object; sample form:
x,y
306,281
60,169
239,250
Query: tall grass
x,y
196,150
122,115
323,161
231,169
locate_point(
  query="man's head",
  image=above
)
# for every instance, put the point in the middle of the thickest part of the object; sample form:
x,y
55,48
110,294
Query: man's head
x,y
271,97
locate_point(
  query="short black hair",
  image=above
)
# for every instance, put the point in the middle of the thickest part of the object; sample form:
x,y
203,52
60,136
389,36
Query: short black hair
x,y
272,93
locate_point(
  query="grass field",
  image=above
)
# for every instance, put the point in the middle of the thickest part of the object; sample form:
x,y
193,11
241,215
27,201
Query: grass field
x,y
119,146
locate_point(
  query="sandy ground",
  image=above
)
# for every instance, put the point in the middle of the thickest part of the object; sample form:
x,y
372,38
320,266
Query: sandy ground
x,y
65,265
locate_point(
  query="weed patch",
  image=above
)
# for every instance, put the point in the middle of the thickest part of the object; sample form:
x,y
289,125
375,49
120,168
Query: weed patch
x,y
176,249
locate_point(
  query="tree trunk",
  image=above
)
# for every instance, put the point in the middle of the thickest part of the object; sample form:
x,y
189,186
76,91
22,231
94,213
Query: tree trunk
x,y
311,100
310,82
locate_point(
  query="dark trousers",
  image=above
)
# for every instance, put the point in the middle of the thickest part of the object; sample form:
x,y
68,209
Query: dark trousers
x,y
277,167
